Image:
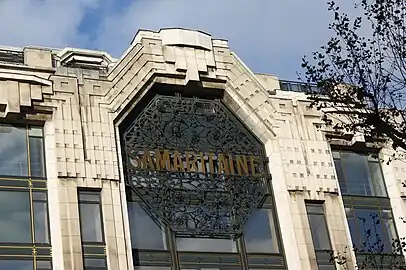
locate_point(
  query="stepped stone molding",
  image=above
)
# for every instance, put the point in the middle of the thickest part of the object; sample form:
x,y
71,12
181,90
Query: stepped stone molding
x,y
87,103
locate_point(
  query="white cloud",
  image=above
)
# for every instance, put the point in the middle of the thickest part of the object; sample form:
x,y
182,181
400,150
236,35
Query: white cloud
x,y
270,36
51,23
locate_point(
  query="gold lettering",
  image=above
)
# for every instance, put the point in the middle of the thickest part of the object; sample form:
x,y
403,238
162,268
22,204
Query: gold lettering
x,y
231,161
178,162
202,162
211,165
190,161
136,162
242,165
191,165
222,163
147,161
253,165
162,161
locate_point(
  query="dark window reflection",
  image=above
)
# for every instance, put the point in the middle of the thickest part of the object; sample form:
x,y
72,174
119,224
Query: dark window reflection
x,y
206,245
94,263
318,227
15,222
16,264
13,151
41,217
359,174
37,157
371,230
90,216
154,268
259,232
145,233
44,265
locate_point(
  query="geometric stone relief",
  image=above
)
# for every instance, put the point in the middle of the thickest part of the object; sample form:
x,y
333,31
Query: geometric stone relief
x,y
84,109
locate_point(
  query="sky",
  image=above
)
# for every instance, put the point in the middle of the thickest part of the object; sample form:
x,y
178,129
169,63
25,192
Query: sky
x,y
270,36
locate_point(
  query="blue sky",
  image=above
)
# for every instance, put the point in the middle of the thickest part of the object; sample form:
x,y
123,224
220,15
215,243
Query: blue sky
x,y
270,36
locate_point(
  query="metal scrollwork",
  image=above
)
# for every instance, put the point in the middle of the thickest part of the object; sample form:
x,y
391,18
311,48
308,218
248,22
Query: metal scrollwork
x,y
195,166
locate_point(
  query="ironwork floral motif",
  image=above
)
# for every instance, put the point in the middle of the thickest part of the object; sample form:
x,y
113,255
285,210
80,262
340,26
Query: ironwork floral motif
x,y
195,203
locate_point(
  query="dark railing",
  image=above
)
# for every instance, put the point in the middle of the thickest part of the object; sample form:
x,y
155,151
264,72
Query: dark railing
x,y
9,56
293,86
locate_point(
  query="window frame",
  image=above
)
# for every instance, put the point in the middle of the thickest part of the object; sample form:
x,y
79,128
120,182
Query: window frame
x,y
369,205
33,251
100,208
323,214
268,206
365,202
321,258
27,128
344,179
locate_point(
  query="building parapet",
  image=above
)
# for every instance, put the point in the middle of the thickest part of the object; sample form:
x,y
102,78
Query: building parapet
x,y
9,55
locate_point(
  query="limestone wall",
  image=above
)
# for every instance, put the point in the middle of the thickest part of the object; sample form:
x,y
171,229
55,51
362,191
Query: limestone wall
x,y
81,109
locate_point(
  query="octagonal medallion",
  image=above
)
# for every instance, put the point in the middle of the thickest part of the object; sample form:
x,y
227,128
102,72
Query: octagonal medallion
x,y
195,166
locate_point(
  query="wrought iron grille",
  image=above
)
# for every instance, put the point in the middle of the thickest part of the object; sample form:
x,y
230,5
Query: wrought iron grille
x,y
228,177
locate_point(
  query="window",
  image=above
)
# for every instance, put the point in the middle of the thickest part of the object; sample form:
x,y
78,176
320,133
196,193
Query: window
x,y
372,228
320,235
15,223
90,217
91,229
40,205
259,233
145,233
24,227
94,263
367,207
359,174
318,226
20,147
206,245
17,264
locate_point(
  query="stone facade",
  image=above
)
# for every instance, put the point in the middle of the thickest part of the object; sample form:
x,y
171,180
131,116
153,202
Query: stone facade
x,y
81,97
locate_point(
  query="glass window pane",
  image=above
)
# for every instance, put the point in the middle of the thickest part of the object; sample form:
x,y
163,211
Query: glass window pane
x,y
145,233
13,151
356,173
95,262
39,196
377,179
315,208
41,222
353,231
284,86
44,265
151,268
391,234
327,267
206,245
340,176
370,229
15,222
90,223
35,131
294,87
319,232
89,196
37,157
259,232
16,264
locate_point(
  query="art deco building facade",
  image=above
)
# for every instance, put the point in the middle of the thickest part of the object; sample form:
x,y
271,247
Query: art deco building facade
x,y
178,156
